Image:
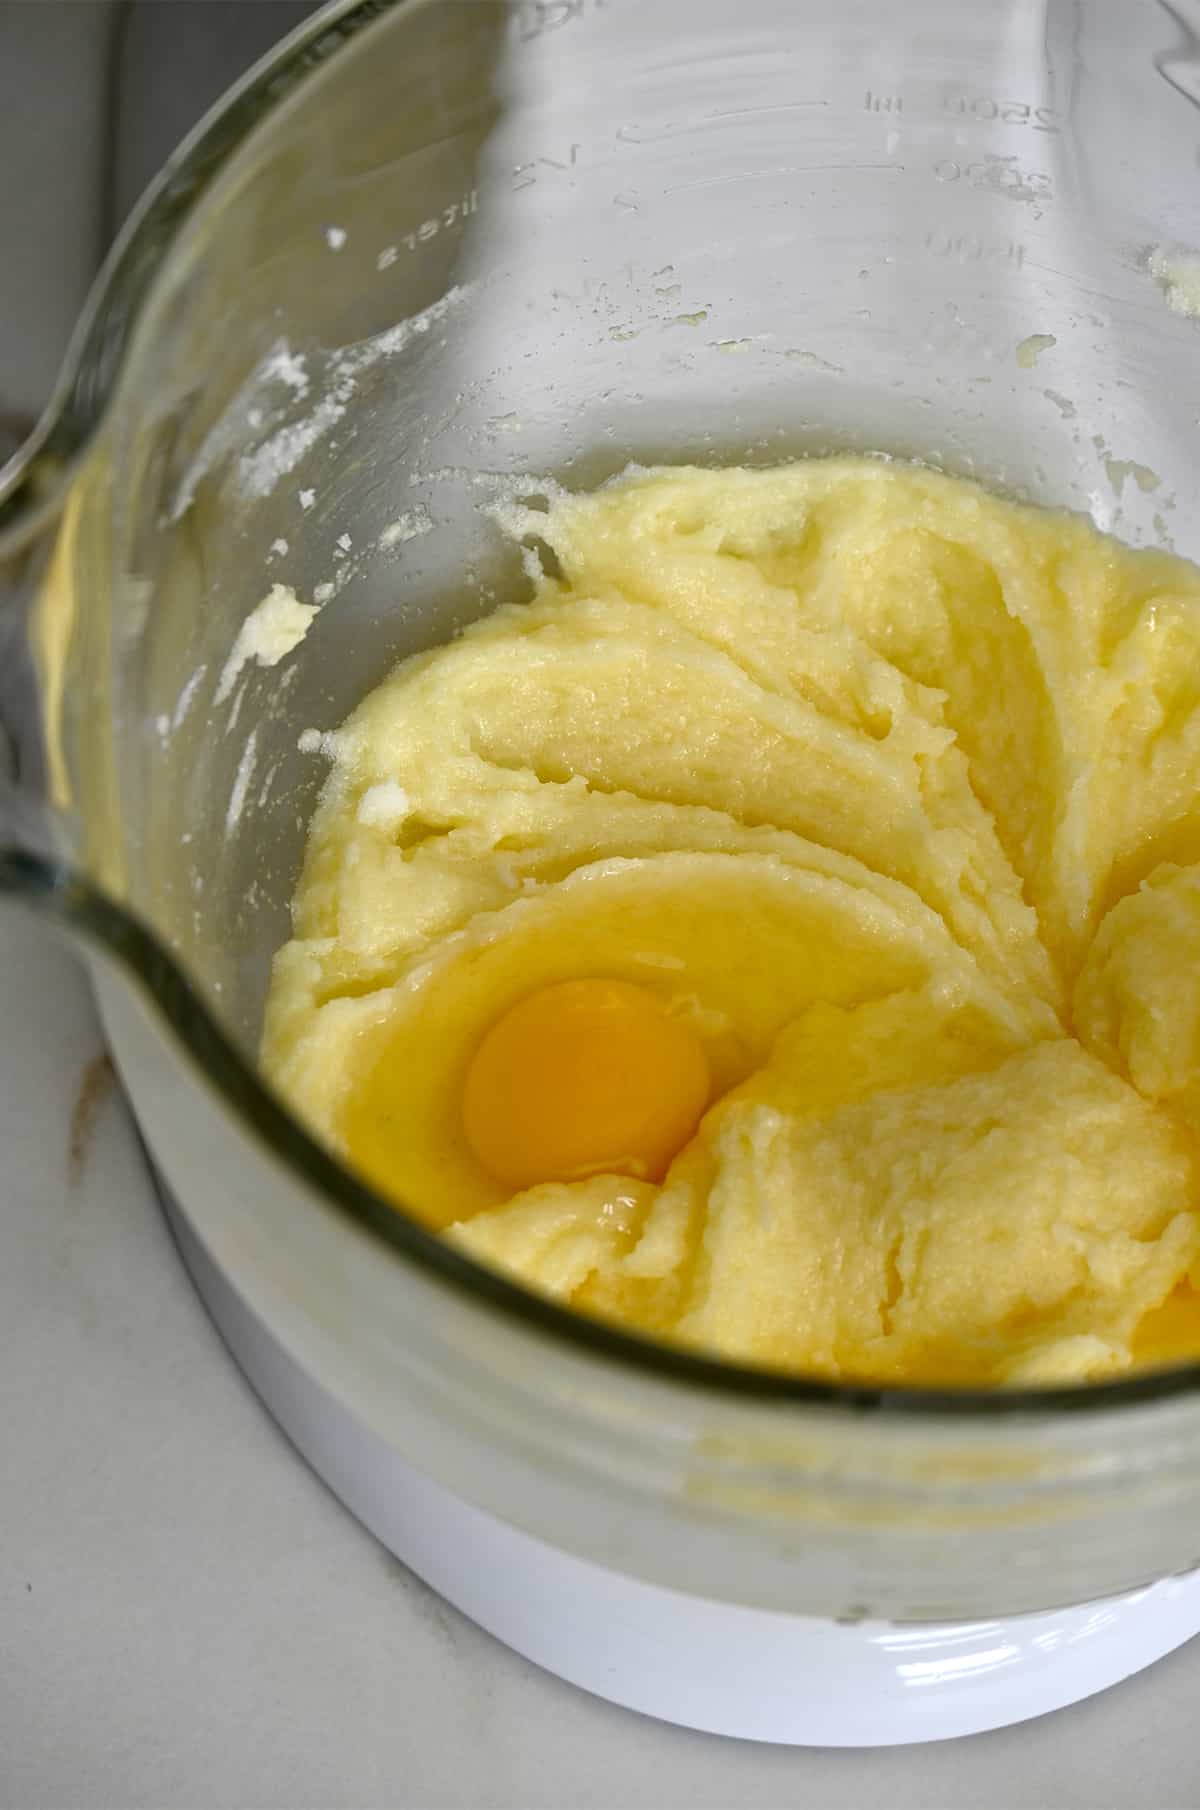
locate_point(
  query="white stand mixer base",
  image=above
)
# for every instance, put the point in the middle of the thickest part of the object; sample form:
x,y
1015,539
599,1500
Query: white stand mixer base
x,y
708,1665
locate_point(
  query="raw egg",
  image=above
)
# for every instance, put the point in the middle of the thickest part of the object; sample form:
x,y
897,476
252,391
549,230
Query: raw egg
x,y
584,1077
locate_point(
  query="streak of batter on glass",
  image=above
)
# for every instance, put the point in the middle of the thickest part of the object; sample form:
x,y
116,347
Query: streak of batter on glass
x,y
784,937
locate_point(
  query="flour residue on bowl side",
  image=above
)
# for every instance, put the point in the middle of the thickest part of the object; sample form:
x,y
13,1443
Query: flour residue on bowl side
x,y
272,629
262,468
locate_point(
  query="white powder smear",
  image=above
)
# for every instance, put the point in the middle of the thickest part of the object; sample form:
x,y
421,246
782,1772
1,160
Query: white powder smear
x,y
279,548
260,470
264,791
278,624
384,806
282,365
515,519
241,782
409,526
307,498
187,696
281,370
335,237
319,741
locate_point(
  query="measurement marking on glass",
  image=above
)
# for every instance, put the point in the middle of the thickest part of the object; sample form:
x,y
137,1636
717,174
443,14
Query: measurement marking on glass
x,y
985,108
969,248
1001,175
528,173
429,229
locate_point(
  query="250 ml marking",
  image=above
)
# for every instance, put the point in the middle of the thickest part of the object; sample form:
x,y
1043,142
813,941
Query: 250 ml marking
x,y
429,229
985,108
982,108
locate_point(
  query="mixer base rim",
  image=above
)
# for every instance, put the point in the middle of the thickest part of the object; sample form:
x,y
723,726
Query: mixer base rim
x,y
718,1667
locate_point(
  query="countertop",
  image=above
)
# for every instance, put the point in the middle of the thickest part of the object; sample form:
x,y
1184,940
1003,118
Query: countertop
x,y
187,1616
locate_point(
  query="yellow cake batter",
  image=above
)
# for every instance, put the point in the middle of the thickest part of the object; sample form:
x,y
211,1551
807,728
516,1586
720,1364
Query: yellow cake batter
x,y
783,933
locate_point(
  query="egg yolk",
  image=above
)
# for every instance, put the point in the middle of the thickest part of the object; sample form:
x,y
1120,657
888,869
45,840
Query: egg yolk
x,y
585,1077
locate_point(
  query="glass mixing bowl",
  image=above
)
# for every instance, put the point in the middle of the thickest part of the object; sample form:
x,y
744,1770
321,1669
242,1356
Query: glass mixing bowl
x,y
431,247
